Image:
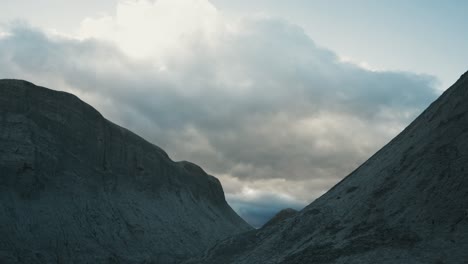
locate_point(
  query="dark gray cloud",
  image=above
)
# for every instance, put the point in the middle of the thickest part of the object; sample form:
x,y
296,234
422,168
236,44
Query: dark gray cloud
x,y
264,107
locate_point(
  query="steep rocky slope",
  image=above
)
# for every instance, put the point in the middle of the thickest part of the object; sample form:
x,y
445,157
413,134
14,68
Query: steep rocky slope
x,y
76,188
406,204
280,216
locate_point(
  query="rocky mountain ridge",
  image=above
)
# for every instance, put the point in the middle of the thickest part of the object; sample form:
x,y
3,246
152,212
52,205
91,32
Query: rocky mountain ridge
x,y
76,188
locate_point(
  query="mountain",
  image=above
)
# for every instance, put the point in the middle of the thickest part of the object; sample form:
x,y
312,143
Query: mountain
x,y
407,204
76,188
280,216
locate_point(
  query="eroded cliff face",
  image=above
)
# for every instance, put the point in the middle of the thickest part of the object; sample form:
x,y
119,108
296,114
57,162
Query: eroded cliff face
x,y
76,188
406,204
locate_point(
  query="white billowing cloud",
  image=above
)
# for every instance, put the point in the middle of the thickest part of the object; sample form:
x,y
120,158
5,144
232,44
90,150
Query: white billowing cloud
x,y
253,101
154,28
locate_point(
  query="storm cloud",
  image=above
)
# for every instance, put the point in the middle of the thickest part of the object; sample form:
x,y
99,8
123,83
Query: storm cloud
x,y
254,101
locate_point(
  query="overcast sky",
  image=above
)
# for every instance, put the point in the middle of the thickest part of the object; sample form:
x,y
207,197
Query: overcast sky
x,y
278,99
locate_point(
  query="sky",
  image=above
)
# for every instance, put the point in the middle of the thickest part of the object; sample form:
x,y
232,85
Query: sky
x,y
278,99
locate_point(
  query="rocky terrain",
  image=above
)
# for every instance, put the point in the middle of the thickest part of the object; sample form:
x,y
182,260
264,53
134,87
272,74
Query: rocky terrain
x,y
76,188
407,204
280,216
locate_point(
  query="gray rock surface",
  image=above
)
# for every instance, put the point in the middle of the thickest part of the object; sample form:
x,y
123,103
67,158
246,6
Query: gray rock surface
x,y
76,188
407,204
280,216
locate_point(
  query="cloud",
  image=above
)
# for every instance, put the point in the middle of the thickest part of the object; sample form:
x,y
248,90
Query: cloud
x,y
254,100
165,26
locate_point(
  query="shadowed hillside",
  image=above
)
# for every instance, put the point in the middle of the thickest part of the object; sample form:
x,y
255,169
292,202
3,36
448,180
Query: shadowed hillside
x,y
76,188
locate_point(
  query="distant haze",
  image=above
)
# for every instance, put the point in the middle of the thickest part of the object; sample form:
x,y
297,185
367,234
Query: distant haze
x,y
253,95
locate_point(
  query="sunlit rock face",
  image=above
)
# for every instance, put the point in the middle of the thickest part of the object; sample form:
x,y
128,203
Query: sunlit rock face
x,y
407,204
76,188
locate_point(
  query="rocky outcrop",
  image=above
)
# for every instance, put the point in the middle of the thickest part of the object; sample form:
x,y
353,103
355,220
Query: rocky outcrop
x,y
76,188
407,204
